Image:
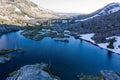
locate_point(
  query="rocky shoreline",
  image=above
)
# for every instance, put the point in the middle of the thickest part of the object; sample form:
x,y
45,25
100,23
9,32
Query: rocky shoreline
x,y
38,33
4,28
104,75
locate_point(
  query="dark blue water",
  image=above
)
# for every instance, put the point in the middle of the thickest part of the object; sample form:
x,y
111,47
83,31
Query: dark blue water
x,y
67,59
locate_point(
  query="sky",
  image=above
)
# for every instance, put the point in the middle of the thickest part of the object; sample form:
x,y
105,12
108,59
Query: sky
x,y
74,6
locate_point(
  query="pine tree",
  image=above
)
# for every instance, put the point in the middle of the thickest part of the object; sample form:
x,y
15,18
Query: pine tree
x,y
111,43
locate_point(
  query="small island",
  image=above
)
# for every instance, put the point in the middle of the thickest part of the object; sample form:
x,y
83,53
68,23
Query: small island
x,y
5,55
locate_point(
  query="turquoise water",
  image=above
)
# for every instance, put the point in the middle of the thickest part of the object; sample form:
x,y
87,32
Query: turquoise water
x,y
67,59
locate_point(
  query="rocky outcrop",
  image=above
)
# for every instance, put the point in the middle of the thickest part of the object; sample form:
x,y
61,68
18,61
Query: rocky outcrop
x,y
110,75
104,75
32,72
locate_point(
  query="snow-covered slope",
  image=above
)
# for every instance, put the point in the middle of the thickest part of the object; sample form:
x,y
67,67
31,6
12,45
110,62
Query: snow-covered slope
x,y
111,8
107,10
87,18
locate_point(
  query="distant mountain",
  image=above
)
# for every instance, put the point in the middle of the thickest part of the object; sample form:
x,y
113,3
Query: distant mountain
x,y
21,11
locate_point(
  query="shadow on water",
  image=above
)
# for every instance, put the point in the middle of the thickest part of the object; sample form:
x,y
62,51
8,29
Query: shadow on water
x,y
109,54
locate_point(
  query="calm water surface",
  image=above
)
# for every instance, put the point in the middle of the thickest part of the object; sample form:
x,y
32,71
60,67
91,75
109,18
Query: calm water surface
x,y
67,59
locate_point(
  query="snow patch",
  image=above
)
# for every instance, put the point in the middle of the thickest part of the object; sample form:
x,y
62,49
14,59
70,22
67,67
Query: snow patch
x,y
90,17
112,8
116,44
88,37
1,6
4,17
87,18
27,17
17,9
104,45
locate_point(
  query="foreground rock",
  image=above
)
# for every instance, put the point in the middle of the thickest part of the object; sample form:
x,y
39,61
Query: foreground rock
x,y
110,75
104,75
86,77
32,72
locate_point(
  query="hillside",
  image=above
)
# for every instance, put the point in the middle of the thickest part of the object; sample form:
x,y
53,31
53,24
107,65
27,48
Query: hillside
x,y
104,20
20,12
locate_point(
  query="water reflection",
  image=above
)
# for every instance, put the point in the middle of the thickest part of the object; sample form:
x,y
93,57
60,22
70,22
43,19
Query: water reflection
x,y
65,60
109,54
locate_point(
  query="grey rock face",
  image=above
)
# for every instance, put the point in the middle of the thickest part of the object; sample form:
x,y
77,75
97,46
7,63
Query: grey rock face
x,y
32,72
110,75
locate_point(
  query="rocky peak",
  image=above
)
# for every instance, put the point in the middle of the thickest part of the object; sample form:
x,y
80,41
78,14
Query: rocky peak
x,y
110,8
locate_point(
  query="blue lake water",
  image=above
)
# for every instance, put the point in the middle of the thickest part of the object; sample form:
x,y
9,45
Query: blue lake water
x,y
67,59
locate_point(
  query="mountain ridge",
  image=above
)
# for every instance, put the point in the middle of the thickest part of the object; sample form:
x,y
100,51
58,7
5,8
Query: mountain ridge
x,y
106,10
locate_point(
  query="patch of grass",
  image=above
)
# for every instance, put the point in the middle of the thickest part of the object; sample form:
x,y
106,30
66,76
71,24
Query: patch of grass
x,y
47,70
5,51
12,73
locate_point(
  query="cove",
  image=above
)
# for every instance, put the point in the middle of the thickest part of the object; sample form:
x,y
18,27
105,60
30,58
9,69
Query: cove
x,y
67,60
